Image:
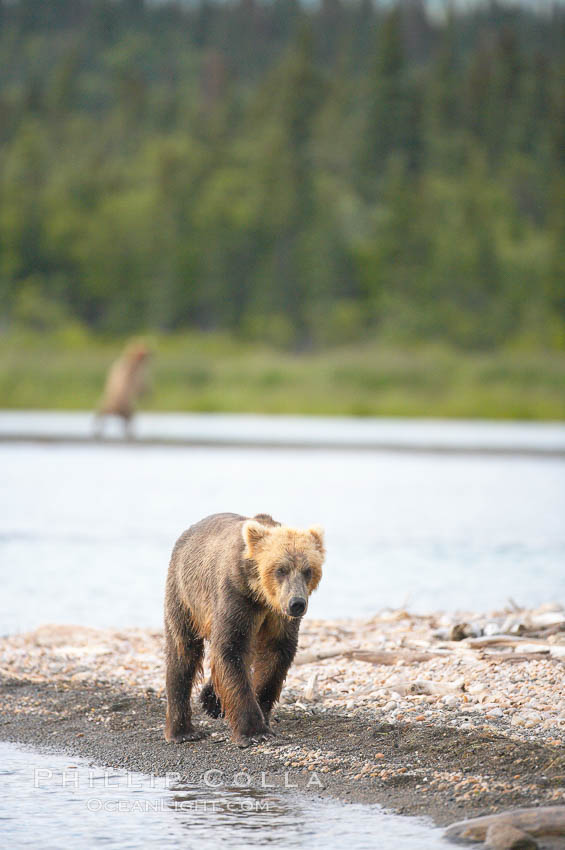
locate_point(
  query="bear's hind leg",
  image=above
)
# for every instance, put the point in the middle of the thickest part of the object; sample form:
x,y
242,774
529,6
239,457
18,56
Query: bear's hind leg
x,y
184,661
209,701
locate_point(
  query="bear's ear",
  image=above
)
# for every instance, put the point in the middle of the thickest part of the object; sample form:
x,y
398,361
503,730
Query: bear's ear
x,y
253,532
317,532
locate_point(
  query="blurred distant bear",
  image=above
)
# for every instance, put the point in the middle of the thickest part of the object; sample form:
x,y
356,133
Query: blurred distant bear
x,y
243,584
126,382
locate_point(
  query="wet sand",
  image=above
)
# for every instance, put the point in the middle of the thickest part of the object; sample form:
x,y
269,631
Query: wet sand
x,y
412,768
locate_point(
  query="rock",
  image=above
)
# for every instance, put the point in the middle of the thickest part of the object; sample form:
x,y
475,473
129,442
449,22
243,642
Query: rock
x,y
502,836
528,719
460,631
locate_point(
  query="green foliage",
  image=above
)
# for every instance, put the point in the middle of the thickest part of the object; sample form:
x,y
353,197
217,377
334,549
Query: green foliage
x,y
298,176
66,368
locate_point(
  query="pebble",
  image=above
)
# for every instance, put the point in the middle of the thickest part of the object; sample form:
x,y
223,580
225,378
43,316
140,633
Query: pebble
x,y
468,685
528,719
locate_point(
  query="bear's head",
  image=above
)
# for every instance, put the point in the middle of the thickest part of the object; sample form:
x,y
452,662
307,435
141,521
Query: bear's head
x,y
287,564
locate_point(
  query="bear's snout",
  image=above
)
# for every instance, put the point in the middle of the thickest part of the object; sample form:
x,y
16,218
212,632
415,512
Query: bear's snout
x,y
297,606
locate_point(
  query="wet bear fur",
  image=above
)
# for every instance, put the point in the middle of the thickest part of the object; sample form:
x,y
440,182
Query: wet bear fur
x,y
243,585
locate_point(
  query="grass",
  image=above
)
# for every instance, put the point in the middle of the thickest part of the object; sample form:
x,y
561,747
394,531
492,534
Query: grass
x,y
211,372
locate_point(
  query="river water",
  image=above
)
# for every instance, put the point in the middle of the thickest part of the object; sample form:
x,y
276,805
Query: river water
x,y
86,533
49,802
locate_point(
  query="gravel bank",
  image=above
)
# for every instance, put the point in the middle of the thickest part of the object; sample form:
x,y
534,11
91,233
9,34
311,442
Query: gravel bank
x,y
388,710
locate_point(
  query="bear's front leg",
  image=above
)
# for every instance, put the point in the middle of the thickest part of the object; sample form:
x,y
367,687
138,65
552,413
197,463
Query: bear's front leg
x,y
276,648
230,677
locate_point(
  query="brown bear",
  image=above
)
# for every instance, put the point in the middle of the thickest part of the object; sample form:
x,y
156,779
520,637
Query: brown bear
x,y
125,383
242,584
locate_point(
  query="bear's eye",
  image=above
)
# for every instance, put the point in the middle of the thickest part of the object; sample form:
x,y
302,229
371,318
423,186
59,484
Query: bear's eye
x,y
281,573
307,573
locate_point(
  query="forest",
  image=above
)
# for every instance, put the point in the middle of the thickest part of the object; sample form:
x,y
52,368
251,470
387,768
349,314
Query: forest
x,y
301,177
305,176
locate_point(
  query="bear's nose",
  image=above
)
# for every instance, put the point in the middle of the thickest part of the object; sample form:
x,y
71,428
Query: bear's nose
x,y
297,606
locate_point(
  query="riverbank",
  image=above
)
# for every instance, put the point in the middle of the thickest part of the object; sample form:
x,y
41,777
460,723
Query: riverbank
x,y
215,373
313,434
388,710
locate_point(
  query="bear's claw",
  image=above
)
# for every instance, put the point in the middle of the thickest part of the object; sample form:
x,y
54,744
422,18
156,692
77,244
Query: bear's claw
x,y
244,741
187,735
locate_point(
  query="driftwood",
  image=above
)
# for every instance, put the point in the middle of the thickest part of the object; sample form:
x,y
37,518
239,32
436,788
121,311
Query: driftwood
x,y
505,640
537,822
310,657
516,657
311,692
544,619
525,644
541,623
389,656
372,656
528,650
547,631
